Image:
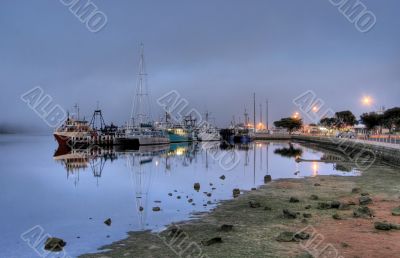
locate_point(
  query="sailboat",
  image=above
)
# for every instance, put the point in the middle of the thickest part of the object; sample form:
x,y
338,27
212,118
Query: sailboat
x,y
141,131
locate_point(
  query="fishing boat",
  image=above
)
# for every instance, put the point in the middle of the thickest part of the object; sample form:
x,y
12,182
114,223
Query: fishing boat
x,y
73,132
209,133
140,136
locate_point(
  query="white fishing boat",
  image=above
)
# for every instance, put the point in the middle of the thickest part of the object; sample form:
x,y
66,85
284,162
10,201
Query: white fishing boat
x,y
209,134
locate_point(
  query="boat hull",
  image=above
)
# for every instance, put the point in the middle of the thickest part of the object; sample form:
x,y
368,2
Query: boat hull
x,y
176,138
141,141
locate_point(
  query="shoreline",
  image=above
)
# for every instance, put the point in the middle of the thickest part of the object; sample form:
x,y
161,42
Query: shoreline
x,y
255,229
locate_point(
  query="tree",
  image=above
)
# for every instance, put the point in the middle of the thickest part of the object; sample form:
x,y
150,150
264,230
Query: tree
x,y
345,118
371,120
289,123
391,118
328,122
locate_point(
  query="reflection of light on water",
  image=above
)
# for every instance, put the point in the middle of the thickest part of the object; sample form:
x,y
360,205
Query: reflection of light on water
x,y
315,167
156,163
180,151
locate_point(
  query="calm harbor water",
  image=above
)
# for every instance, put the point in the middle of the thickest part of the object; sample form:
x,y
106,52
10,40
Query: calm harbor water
x,y
69,195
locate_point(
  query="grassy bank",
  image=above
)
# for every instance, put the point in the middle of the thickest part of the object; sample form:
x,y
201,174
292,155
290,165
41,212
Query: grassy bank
x,y
255,229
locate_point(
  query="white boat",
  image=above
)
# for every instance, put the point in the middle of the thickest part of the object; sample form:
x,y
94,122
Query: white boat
x,y
139,136
208,134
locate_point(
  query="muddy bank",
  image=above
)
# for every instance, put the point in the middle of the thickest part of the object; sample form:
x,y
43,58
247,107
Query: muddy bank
x,y
258,219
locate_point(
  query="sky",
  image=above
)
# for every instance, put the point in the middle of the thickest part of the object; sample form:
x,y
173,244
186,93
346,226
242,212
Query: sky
x,y
215,54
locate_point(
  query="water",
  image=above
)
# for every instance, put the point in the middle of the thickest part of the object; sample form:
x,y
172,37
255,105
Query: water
x,y
70,196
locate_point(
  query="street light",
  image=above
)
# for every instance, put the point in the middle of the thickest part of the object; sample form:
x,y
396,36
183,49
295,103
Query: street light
x,y
367,100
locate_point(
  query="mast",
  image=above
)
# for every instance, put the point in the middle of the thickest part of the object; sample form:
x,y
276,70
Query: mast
x,y
266,114
254,110
260,114
141,105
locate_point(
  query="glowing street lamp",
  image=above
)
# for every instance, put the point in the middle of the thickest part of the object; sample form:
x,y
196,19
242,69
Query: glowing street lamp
x,y
367,100
315,109
296,115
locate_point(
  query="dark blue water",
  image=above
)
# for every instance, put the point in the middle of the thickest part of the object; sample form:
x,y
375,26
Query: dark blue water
x,y
70,195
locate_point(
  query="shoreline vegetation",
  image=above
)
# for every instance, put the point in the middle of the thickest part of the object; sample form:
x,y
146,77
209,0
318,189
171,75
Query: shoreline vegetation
x,y
338,216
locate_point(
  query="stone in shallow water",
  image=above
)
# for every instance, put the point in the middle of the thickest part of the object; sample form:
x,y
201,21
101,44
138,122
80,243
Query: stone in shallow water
x,y
156,208
314,197
222,177
307,215
108,222
294,199
196,186
356,190
236,192
54,244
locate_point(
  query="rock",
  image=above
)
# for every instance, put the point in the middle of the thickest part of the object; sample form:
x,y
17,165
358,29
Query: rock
x,y
314,197
351,203
54,244
170,194
396,211
344,206
294,199
190,200
209,202
211,184
254,204
304,221
213,188
178,197
307,215
222,177
365,200
395,226
323,205
156,208
288,214
307,207
157,201
356,190
175,191
267,179
336,216
382,226
286,236
335,204
316,184
236,192
212,241
363,212
196,186
253,189
267,208
108,222
141,208
345,245
226,227
209,194
302,235
364,194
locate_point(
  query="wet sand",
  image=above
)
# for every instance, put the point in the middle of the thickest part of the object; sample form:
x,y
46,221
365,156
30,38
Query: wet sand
x,y
255,229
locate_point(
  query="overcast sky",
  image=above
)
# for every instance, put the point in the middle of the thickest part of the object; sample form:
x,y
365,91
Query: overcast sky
x,y
215,53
